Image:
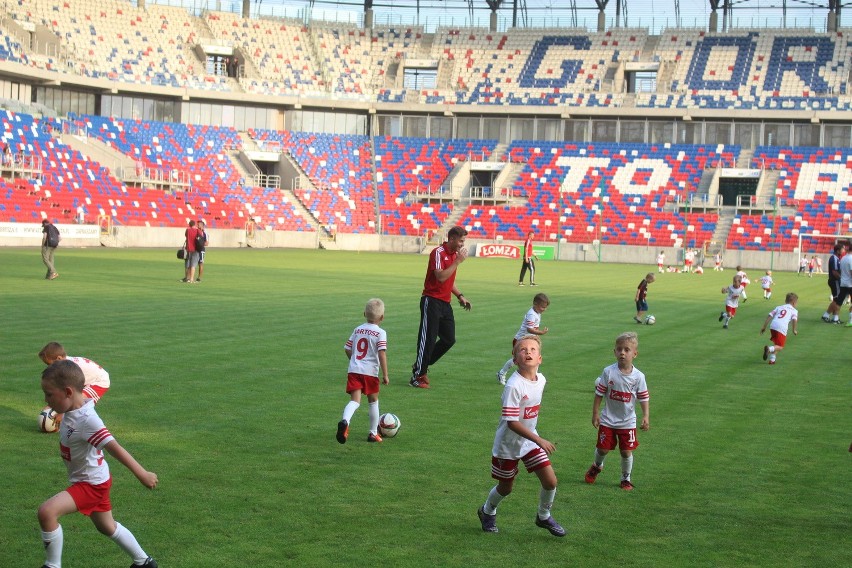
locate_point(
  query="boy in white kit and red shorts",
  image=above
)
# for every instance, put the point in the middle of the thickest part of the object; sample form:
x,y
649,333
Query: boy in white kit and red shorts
x,y
619,386
780,318
732,299
530,325
517,440
96,377
82,440
366,349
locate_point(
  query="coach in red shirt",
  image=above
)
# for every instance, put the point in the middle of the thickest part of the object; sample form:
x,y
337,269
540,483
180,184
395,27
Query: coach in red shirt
x,y
436,312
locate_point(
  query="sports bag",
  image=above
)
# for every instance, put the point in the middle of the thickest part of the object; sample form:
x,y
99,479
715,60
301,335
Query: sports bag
x,y
181,254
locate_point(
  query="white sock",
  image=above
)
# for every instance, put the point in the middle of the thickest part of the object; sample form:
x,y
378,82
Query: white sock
x,y
374,417
772,349
772,358
53,547
494,498
349,411
507,365
125,539
545,502
599,458
626,468
826,315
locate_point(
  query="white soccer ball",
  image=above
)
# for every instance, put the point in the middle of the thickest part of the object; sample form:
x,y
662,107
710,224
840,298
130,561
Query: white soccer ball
x,y
389,425
650,320
48,420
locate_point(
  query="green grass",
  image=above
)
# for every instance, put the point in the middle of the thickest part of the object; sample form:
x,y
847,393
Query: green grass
x,y
231,390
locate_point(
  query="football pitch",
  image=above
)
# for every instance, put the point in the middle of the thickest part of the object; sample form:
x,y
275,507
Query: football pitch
x,y
231,389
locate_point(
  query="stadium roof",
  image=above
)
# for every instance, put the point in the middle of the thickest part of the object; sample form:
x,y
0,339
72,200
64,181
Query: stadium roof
x,y
654,15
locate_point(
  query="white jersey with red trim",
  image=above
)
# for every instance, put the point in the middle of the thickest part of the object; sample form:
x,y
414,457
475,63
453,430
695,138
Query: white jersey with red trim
x,y
364,344
781,318
620,393
95,375
766,282
82,437
531,321
732,299
521,403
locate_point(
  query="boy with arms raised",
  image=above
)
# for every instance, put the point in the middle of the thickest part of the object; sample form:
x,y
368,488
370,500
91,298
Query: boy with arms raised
x,y
620,385
82,439
517,440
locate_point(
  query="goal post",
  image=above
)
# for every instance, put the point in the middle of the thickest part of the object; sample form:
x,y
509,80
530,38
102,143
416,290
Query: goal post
x,y
818,243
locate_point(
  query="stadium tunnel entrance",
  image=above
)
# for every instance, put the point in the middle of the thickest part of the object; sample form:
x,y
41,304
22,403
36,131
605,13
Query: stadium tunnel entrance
x,y
732,187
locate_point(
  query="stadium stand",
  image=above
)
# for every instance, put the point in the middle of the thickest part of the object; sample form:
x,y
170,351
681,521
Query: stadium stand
x,y
618,193
615,193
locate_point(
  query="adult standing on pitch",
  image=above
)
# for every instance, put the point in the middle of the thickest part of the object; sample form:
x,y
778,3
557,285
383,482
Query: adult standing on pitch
x,y
832,312
191,262
528,262
436,312
201,247
49,242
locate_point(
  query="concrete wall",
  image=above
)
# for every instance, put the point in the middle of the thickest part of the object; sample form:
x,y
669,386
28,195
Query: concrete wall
x,y
158,237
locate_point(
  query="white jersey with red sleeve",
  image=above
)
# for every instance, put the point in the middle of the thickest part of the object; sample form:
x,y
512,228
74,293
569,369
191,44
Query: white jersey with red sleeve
x,y
532,320
82,437
732,299
364,344
521,403
620,393
781,318
766,282
96,376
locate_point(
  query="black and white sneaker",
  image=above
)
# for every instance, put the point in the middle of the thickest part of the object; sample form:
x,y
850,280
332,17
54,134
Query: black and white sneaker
x,y
149,563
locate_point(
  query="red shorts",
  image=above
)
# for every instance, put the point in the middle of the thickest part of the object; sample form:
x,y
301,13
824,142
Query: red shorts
x,y
93,392
777,337
624,438
363,383
507,469
731,311
91,498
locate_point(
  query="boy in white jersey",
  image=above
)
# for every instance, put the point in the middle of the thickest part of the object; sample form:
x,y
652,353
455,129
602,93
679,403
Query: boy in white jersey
x,y
366,349
517,440
732,299
766,283
621,385
97,379
744,280
530,325
82,439
661,260
780,318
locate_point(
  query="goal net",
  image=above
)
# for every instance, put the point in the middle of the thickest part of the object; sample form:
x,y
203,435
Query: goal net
x,y
816,243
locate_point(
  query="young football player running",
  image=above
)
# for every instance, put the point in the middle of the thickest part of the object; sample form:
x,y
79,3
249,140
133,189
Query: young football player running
x,y
530,325
779,321
732,300
82,441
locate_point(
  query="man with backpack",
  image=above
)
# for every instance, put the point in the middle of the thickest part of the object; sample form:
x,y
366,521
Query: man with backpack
x,y
49,241
192,256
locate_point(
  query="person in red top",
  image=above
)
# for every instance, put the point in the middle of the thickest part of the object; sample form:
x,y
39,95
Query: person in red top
x,y
436,312
192,255
528,261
